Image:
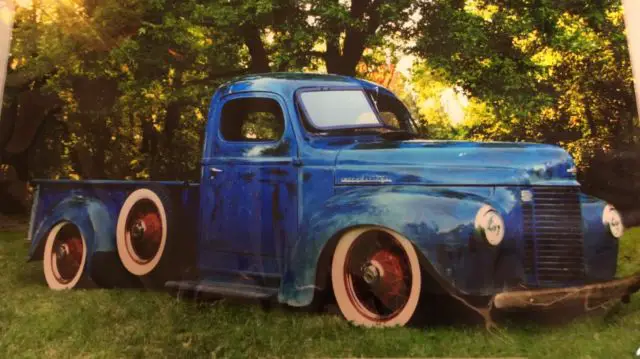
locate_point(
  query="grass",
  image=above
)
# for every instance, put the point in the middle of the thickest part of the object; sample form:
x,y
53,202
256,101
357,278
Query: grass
x,y
36,322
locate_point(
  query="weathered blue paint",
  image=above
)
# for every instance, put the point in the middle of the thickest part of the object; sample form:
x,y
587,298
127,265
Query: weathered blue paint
x,y
601,248
253,197
272,208
93,206
92,218
456,163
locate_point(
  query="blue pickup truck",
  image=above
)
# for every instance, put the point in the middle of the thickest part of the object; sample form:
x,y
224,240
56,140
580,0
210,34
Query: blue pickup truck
x,y
318,186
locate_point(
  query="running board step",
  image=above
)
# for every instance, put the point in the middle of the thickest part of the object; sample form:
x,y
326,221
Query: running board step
x,y
223,289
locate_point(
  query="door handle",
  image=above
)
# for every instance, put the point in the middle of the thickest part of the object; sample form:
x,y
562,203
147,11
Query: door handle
x,y
213,172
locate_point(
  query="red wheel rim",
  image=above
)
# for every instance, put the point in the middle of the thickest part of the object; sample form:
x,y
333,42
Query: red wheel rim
x,y
144,231
378,276
67,253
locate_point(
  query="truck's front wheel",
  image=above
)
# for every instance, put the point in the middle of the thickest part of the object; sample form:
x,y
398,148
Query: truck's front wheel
x,y
376,277
144,239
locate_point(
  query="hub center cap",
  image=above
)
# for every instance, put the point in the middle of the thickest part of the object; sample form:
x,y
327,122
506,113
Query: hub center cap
x,y
63,251
370,273
137,230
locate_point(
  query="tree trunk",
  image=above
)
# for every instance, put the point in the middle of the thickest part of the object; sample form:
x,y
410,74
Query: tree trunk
x,y
591,121
149,138
7,124
172,122
259,58
346,61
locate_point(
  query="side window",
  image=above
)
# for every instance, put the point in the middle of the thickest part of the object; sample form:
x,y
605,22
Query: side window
x,y
252,120
393,112
390,119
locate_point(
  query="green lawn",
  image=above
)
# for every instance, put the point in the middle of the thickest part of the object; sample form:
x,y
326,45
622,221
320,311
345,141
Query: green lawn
x,y
36,322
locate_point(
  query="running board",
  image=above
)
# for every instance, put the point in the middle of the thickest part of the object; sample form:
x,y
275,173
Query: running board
x,y
223,289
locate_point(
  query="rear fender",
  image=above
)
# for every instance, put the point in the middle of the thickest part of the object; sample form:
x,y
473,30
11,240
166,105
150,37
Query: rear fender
x,y
429,217
90,216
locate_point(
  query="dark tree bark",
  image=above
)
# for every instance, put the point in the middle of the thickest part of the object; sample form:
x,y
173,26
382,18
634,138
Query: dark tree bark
x,y
172,121
149,138
7,124
333,56
259,58
591,121
345,62
339,60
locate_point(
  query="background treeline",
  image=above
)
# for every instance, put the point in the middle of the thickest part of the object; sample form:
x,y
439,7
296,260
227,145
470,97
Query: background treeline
x,y
120,89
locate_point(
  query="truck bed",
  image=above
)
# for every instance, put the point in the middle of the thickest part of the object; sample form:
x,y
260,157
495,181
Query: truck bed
x,y
111,193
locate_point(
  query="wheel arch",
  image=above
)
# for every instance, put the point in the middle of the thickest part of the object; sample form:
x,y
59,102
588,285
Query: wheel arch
x,y
412,214
89,215
323,268
432,281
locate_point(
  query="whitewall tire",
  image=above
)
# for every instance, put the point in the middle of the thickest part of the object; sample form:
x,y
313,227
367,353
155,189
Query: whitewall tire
x,y
65,257
141,234
376,277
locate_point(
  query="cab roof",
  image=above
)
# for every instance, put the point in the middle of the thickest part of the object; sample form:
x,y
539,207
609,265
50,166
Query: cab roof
x,y
286,83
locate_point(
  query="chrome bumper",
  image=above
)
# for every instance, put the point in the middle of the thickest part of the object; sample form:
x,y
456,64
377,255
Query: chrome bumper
x,y
591,295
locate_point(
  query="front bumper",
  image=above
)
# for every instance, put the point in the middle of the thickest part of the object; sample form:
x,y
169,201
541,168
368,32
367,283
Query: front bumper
x,y
591,295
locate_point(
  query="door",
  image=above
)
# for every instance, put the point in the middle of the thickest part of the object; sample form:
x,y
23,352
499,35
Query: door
x,y
252,187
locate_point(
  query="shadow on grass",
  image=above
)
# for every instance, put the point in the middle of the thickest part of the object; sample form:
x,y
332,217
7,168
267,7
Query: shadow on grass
x,y
442,312
31,275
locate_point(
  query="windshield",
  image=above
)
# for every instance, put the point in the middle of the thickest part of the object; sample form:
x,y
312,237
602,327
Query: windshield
x,y
338,109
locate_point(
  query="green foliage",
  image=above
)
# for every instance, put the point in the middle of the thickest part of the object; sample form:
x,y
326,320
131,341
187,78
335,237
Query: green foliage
x,y
120,89
132,83
128,83
555,72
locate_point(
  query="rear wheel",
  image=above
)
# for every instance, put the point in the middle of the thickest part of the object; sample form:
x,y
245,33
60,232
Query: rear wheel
x,y
144,238
65,256
376,277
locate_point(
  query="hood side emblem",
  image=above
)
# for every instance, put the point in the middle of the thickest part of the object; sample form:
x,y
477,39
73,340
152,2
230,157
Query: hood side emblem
x,y
366,179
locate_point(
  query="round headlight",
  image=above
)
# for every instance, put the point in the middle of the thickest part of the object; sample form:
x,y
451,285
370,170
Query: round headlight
x,y
612,219
490,225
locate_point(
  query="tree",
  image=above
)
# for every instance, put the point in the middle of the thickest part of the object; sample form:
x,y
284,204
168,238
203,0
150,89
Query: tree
x,y
285,35
115,89
127,83
555,72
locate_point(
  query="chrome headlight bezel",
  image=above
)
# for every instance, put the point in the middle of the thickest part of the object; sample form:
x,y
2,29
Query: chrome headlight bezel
x,y
490,225
612,219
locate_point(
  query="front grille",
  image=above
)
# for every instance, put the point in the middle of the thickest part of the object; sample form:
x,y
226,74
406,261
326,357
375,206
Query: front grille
x,y
552,230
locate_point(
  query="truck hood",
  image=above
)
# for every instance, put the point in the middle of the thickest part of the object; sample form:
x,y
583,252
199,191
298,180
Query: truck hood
x,y
453,163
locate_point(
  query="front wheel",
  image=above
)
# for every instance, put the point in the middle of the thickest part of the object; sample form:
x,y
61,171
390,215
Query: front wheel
x,y
376,277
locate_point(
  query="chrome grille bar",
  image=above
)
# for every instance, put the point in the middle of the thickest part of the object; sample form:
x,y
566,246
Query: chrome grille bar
x,y
552,234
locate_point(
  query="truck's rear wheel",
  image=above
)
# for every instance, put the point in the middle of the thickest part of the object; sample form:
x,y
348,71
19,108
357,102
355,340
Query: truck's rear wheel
x,y
144,239
376,277
65,257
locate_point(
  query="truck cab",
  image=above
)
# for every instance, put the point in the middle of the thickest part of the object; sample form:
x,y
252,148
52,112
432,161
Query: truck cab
x,y
268,163
317,186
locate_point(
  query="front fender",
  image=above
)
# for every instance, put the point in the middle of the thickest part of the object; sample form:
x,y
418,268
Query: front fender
x,y
600,247
440,223
91,216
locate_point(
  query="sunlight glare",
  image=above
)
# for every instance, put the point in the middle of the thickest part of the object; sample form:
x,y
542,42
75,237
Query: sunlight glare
x,y
24,3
